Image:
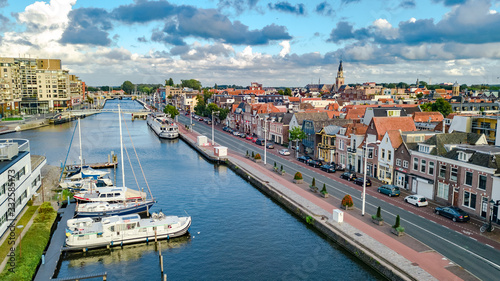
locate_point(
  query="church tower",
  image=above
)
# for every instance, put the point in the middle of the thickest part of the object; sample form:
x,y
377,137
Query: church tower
x,y
339,81
455,89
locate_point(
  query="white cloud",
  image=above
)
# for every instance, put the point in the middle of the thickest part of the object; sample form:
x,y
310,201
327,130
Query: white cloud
x,y
286,48
382,24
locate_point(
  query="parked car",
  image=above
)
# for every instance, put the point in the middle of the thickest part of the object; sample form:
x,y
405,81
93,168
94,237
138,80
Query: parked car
x,y
304,158
350,176
417,200
249,137
315,163
454,213
208,121
255,139
201,119
328,168
359,181
389,189
284,152
339,167
259,142
270,146
236,133
225,128
229,130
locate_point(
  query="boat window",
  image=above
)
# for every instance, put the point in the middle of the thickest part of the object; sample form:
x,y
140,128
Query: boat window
x,y
117,194
102,195
130,225
112,228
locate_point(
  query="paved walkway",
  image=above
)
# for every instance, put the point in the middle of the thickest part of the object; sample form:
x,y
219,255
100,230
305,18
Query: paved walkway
x,y
46,271
420,261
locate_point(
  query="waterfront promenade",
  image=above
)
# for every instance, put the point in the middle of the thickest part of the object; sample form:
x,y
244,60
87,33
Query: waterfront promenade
x,y
405,257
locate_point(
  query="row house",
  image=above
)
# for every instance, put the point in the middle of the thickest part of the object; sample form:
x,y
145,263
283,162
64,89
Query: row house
x,y
278,127
433,175
402,156
388,111
347,142
386,154
326,147
311,128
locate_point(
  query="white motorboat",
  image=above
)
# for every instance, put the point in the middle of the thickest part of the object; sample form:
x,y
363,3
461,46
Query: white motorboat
x,y
163,126
86,172
85,233
83,184
99,209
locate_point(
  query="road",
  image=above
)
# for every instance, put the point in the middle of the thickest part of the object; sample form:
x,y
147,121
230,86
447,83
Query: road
x,y
479,259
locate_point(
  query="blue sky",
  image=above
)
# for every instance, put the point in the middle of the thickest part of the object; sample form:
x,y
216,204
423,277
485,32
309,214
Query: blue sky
x,y
276,43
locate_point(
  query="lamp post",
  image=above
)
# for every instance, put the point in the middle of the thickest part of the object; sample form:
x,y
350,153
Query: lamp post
x,y
213,136
191,116
364,177
265,138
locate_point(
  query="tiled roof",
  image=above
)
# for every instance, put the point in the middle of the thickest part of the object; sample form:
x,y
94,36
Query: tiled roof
x,y
355,113
395,137
440,140
433,116
314,116
331,129
488,156
384,124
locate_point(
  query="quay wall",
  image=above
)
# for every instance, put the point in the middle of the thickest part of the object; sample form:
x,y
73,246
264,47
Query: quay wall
x,y
366,255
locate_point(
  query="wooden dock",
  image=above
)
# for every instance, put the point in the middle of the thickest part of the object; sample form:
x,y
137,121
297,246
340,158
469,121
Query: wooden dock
x,y
104,276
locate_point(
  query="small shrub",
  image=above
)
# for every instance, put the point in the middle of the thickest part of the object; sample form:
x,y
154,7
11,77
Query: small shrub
x,y
397,222
257,156
323,190
275,165
379,212
253,155
30,203
313,182
309,220
282,168
247,153
347,201
46,207
400,229
298,176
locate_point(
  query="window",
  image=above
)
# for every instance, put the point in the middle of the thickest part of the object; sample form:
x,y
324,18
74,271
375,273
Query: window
x,y
442,171
389,155
453,174
431,168
469,200
482,182
341,144
443,190
405,164
468,178
398,162
370,153
383,153
423,165
415,164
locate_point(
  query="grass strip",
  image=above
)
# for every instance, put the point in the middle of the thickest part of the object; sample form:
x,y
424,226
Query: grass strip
x,y
32,245
12,119
4,249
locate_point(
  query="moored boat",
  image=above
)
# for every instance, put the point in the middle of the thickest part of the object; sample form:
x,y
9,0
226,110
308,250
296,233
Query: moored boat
x,y
98,209
163,126
86,233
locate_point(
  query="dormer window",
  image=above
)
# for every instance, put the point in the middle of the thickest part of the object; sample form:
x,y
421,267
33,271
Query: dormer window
x,y
462,156
424,148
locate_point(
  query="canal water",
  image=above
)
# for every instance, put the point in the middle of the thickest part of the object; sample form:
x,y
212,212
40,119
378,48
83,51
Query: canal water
x,y
237,232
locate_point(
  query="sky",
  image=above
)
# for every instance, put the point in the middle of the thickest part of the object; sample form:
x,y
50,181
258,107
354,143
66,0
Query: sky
x,y
275,43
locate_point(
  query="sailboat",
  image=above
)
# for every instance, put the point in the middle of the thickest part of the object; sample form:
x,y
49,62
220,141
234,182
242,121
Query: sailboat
x,y
113,200
77,176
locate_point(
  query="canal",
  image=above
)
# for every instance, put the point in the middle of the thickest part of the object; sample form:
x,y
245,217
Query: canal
x,y
237,232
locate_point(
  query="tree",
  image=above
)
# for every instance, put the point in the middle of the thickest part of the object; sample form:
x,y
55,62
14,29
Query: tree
x,y
288,92
215,86
170,82
402,85
191,83
280,92
206,95
171,110
223,113
426,106
442,106
128,87
391,86
200,105
296,134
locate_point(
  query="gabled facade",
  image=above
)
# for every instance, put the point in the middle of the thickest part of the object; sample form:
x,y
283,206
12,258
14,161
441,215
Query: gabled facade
x,y
326,146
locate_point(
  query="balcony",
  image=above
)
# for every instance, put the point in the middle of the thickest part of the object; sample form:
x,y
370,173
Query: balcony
x,y
326,146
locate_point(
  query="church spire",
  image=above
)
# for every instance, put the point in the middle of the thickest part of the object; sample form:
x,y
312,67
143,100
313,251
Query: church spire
x,y
341,69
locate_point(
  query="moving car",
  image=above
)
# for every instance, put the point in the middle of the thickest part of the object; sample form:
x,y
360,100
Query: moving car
x,y
304,158
328,168
389,189
284,151
350,176
454,213
359,181
417,200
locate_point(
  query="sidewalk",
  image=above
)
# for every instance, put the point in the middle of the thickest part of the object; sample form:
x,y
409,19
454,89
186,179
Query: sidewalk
x,y
404,252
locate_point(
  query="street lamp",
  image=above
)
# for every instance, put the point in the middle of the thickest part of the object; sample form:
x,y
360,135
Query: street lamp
x,y
364,176
213,140
191,116
265,138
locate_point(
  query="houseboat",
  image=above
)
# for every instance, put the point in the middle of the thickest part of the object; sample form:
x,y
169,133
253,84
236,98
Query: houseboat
x,y
163,126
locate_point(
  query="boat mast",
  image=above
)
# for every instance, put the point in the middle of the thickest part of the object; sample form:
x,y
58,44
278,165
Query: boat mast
x,y
121,145
80,138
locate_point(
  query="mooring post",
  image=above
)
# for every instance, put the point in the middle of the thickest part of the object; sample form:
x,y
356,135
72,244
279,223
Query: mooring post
x,y
161,263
